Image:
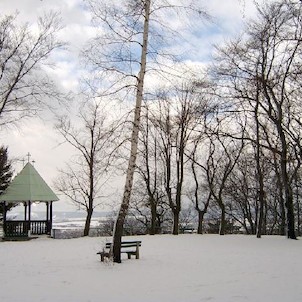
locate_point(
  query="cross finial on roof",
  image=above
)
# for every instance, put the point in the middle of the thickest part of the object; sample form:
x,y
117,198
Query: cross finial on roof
x,y
28,157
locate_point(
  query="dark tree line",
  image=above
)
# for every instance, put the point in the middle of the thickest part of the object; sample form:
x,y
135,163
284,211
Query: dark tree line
x,y
6,173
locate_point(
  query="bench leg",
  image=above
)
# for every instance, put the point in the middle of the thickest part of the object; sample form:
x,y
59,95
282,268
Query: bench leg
x,y
137,251
103,255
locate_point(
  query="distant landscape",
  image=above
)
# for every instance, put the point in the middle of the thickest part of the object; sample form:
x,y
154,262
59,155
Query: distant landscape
x,y
58,216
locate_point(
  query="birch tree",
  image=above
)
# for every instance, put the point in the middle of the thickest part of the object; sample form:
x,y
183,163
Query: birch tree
x,y
119,226
132,42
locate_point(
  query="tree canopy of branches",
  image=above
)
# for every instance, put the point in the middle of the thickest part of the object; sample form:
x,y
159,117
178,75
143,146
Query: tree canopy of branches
x,y
261,75
150,178
85,176
24,86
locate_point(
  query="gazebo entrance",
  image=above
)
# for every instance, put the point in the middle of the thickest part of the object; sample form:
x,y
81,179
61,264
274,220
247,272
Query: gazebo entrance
x,y
28,187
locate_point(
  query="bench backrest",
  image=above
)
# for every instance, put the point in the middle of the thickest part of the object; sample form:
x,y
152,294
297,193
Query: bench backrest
x,y
125,244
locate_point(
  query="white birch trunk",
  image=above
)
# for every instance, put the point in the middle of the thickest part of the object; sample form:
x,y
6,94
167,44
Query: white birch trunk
x,y
119,225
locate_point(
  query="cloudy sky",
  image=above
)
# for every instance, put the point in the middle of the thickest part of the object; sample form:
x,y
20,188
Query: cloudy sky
x,y
39,137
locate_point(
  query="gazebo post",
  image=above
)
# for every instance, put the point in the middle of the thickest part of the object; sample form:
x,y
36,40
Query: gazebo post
x,y
25,211
50,217
48,227
29,210
29,216
4,212
47,211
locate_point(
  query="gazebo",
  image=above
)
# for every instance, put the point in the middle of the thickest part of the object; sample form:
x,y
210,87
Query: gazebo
x,y
27,187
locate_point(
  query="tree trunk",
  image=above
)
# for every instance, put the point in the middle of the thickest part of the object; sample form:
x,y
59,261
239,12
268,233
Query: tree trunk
x,y
264,225
261,214
200,222
282,229
87,222
280,199
290,214
289,200
175,222
298,206
222,220
119,225
259,173
153,226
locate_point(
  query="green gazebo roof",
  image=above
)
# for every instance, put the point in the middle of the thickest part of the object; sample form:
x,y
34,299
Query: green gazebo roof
x,y
28,185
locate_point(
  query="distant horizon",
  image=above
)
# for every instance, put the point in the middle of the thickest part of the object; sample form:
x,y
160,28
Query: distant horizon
x,y
40,215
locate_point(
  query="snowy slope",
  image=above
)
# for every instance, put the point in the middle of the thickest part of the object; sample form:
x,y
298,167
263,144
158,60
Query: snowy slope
x,y
172,268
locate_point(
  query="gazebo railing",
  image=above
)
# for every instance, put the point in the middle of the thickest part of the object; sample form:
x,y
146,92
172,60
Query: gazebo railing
x,y
20,228
16,228
40,227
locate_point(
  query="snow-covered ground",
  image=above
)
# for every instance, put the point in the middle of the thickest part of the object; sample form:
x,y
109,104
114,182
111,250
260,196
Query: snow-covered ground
x,y
181,268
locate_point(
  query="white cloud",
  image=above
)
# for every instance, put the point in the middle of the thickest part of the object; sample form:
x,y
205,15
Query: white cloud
x,y
40,140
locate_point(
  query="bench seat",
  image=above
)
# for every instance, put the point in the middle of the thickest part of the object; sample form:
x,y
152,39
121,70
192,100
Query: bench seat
x,y
126,248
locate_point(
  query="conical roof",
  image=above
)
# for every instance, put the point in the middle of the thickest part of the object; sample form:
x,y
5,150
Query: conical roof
x,y
28,185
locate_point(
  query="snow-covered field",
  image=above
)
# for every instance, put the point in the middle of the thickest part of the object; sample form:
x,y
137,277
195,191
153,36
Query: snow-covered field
x,y
181,268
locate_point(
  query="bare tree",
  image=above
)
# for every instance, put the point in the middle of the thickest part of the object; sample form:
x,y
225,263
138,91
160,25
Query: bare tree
x,y
24,86
264,69
84,178
199,192
241,196
276,92
200,195
119,226
122,56
150,175
175,120
223,155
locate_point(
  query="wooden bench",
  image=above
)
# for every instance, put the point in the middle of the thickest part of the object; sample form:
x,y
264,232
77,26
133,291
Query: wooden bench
x,y
126,248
